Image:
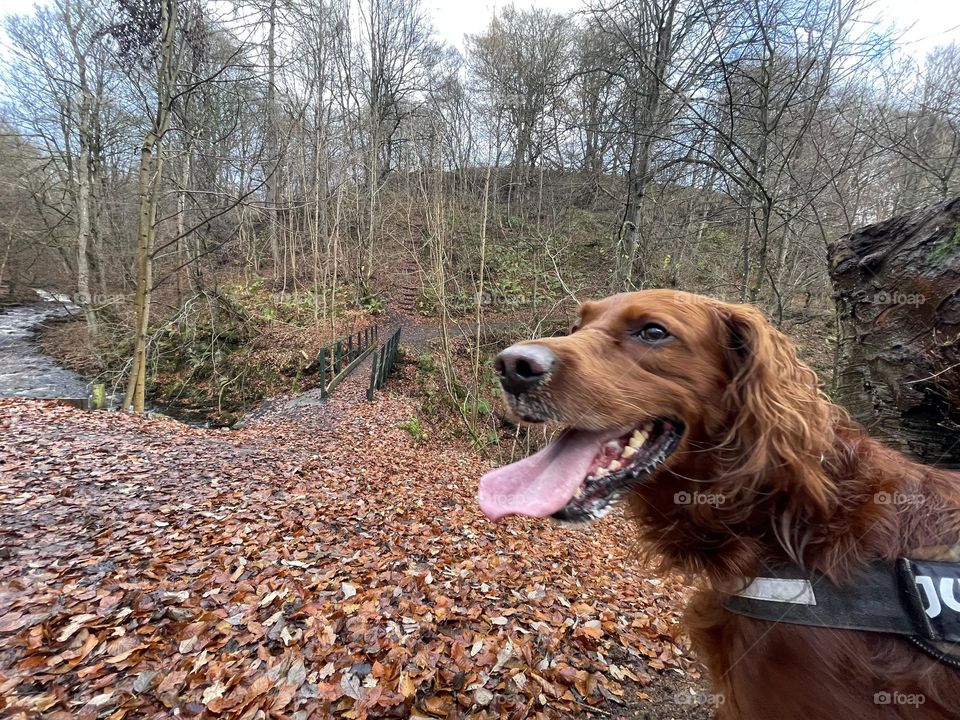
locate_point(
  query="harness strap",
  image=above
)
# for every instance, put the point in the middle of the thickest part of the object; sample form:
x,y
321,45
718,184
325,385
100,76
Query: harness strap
x,y
918,599
871,601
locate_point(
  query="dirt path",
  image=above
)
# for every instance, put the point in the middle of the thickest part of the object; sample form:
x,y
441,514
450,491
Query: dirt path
x,y
318,563
419,331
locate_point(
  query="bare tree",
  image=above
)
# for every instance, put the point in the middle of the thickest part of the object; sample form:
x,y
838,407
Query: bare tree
x,y
60,78
155,49
662,47
520,62
920,125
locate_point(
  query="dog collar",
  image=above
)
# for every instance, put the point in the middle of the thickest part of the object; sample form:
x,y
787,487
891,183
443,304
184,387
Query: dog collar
x,y
918,599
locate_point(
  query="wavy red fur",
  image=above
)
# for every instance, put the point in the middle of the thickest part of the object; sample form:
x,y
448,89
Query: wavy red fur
x,y
794,480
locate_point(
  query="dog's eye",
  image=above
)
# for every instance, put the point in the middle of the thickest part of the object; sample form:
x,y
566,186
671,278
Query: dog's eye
x,y
652,333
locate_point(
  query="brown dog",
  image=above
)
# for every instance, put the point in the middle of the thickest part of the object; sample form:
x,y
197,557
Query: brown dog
x,y
699,415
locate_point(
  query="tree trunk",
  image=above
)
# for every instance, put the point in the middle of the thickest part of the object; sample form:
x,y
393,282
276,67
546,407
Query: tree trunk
x,y
85,298
272,142
148,188
630,238
86,122
897,288
146,234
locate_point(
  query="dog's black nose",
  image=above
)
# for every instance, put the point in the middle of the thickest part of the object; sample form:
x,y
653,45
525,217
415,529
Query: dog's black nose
x,y
523,367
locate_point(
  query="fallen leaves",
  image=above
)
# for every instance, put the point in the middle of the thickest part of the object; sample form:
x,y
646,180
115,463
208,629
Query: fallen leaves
x,y
75,624
13,621
310,566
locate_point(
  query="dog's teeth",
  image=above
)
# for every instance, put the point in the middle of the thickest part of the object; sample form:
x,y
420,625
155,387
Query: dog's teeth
x,y
628,452
638,438
601,512
615,465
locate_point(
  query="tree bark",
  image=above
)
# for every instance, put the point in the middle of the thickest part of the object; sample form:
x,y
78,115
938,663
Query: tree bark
x,y
86,123
148,187
272,141
897,288
85,298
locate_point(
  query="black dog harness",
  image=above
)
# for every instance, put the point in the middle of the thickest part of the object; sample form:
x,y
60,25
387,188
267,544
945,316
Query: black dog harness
x,y
917,599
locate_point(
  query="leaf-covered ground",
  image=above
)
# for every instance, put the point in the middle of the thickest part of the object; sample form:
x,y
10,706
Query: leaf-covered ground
x,y
318,563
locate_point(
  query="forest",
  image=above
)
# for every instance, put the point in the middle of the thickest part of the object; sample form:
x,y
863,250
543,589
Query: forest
x,y
217,184
213,212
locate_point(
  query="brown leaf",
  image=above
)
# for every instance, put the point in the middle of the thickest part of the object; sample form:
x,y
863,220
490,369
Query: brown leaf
x,y
75,624
14,620
171,682
406,686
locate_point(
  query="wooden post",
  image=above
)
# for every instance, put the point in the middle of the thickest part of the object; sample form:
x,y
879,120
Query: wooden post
x,y
323,372
373,374
383,364
98,397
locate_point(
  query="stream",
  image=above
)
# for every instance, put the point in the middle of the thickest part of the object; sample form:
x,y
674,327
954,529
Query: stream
x,y
25,370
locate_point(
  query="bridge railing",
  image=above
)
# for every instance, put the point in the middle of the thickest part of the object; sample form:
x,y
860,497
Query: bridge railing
x,y
384,360
338,359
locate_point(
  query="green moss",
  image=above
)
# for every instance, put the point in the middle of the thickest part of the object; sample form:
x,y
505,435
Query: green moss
x,y
412,426
948,249
426,362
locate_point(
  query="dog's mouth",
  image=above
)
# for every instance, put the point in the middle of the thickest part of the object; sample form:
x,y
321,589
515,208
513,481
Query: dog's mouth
x,y
580,475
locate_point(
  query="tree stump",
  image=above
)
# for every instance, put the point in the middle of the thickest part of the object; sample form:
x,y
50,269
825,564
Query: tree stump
x,y
897,289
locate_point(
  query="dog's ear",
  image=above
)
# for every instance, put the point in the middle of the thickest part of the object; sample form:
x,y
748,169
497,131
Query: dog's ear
x,y
779,425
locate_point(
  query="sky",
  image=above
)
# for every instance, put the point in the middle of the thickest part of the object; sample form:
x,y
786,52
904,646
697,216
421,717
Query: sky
x,y
927,22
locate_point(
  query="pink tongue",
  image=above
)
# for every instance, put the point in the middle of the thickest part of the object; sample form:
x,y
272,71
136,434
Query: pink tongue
x,y
544,482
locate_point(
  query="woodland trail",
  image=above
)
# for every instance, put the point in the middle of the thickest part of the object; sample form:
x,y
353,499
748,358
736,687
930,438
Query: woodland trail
x,y
304,567
317,563
418,332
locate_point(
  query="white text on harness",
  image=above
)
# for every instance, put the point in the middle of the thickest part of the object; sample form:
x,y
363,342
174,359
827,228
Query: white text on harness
x,y
946,594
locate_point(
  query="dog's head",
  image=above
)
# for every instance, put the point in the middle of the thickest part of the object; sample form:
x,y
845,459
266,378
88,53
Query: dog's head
x,y
660,388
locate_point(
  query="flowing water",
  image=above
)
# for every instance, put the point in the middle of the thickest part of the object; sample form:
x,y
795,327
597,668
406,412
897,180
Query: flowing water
x,y
25,371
